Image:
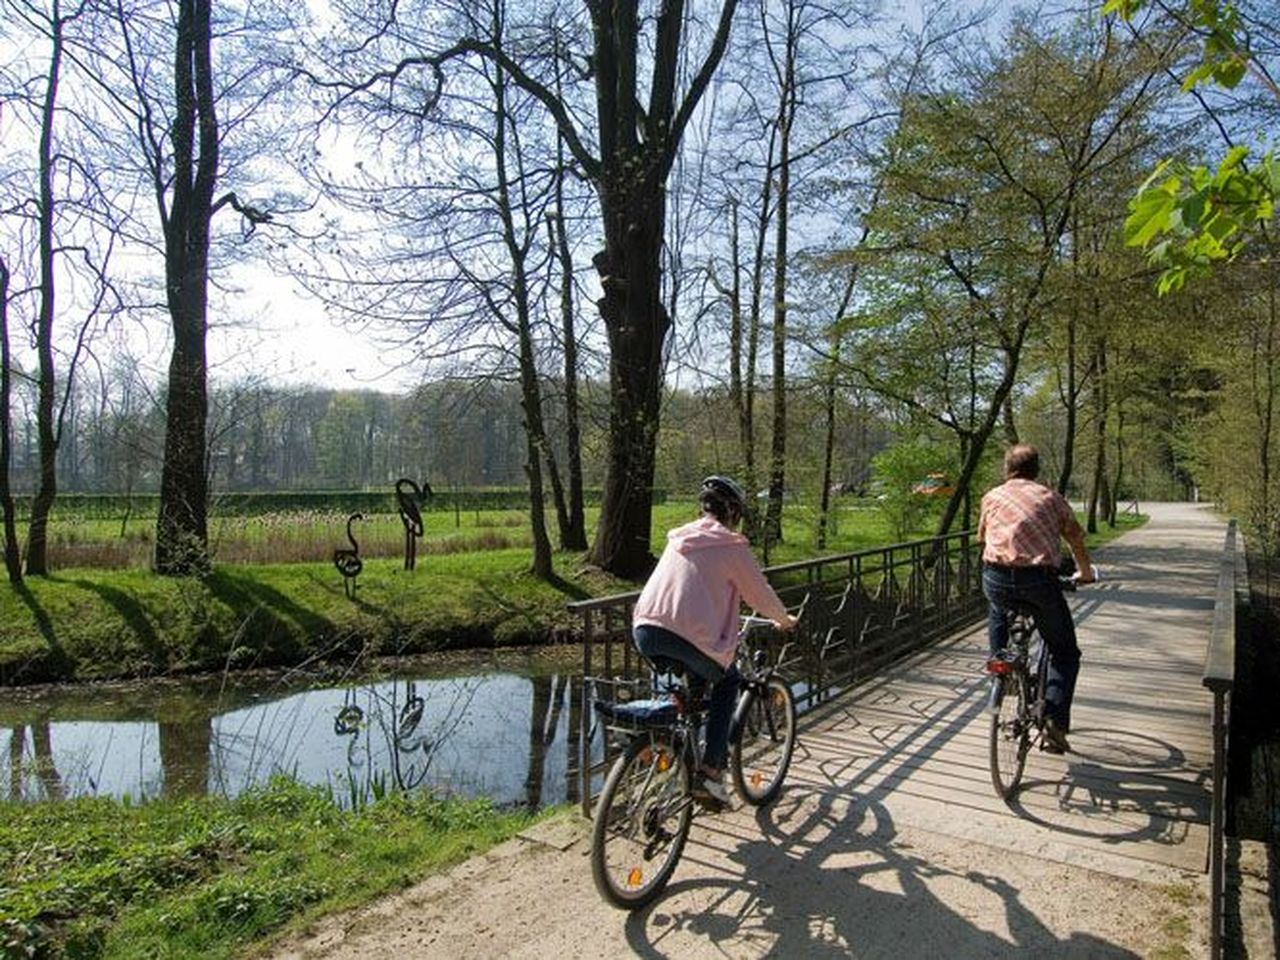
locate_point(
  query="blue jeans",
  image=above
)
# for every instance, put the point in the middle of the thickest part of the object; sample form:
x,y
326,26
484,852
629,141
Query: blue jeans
x,y
654,641
1037,589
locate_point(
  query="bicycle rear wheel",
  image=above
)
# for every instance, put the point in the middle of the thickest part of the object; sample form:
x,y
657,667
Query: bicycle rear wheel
x,y
642,820
765,741
1010,735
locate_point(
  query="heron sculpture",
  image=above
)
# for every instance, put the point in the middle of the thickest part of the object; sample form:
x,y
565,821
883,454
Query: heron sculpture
x,y
409,499
347,561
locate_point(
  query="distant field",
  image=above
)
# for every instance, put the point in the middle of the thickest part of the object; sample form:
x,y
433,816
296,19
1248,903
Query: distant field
x,y
93,541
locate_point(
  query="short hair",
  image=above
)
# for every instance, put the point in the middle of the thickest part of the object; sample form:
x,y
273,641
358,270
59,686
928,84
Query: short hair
x,y
1022,460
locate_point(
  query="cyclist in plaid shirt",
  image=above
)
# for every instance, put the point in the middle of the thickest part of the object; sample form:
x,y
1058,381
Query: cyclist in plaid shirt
x,y
1021,526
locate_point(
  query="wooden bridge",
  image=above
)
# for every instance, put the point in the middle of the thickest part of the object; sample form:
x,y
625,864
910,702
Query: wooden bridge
x,y
905,755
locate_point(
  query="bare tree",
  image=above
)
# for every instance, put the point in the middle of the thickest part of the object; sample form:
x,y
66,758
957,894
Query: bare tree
x,y
637,128
12,556
64,221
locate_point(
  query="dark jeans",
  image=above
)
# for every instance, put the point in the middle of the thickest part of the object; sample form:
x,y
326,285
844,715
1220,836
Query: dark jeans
x,y
654,641
1037,589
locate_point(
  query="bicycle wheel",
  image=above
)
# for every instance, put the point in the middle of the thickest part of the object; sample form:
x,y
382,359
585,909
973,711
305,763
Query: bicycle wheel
x,y
1010,735
766,738
641,821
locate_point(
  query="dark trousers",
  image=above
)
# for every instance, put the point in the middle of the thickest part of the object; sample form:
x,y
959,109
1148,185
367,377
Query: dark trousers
x,y
654,641
1037,589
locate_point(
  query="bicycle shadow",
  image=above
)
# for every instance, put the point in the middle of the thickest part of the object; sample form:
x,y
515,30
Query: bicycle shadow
x,y
825,874
1116,789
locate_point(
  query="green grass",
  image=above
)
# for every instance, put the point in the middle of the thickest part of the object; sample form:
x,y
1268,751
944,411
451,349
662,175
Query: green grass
x,y
87,624
185,878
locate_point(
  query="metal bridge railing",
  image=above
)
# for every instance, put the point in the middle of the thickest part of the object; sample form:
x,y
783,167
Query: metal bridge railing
x,y
865,610
1219,677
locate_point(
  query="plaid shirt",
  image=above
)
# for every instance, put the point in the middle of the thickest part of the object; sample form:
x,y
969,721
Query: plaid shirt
x,y
1021,524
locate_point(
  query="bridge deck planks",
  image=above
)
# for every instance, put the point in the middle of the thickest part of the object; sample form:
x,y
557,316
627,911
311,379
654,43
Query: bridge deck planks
x,y
1132,799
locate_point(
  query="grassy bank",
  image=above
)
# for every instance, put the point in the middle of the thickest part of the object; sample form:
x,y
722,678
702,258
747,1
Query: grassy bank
x,y
185,878
86,624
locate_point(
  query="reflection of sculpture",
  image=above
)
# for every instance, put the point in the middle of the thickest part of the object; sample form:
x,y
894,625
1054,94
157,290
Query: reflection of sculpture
x,y
410,716
348,720
409,497
347,561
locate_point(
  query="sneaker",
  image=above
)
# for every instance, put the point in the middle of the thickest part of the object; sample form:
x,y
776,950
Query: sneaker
x,y
710,791
1055,741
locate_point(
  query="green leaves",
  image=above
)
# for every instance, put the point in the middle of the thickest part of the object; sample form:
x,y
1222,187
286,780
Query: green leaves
x,y
1225,55
1200,217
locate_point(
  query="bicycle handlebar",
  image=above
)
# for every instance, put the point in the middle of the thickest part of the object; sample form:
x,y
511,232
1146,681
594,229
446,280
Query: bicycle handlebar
x,y
752,621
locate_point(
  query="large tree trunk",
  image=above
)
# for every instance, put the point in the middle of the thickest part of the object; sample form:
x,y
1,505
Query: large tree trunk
x,y
637,324
829,403
752,332
12,555
182,537
1069,442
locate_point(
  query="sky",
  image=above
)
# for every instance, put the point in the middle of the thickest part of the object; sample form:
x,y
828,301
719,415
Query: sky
x,y
290,338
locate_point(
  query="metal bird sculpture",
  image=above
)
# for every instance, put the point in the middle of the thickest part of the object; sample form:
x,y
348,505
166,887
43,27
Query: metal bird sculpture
x,y
409,498
347,561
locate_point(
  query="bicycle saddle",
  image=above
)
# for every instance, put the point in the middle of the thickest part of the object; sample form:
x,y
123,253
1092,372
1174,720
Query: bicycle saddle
x,y
639,713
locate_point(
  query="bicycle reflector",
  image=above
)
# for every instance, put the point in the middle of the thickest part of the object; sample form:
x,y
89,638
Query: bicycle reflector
x,y
999,666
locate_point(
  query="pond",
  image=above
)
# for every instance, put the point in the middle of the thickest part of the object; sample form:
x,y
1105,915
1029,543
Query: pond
x,y
505,726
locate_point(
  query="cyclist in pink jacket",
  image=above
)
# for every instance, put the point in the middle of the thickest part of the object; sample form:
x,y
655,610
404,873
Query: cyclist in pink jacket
x,y
689,608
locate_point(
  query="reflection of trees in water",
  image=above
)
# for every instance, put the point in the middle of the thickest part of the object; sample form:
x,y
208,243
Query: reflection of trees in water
x,y
392,733
540,735
17,742
40,764
185,748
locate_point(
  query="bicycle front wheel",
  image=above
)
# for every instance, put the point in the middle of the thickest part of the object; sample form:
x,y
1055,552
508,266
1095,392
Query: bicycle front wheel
x,y
765,741
641,821
1010,735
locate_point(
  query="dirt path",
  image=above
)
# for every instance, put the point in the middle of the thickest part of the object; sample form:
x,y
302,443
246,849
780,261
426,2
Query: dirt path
x,y
819,876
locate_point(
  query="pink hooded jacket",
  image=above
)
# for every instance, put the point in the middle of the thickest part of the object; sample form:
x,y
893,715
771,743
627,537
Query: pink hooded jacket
x,y
695,591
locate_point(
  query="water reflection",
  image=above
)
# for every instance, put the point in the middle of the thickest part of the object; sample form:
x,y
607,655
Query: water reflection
x,y
509,736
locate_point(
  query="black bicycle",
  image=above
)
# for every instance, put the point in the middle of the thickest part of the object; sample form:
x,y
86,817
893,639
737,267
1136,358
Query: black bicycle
x,y
1016,699
647,805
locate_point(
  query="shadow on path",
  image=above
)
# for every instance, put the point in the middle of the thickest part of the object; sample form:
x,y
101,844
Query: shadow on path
x,y
878,898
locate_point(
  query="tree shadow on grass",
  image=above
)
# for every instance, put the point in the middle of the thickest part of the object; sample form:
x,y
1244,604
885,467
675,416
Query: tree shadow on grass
x,y
280,624
571,590
134,615
53,665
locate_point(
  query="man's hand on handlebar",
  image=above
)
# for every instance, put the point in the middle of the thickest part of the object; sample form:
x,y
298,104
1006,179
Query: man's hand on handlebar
x,y
1087,575
789,623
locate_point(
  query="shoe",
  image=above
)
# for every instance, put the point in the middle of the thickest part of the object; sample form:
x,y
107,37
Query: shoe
x,y
710,791
1055,741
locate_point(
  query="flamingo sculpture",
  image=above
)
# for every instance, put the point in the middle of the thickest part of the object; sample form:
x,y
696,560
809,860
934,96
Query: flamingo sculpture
x,y
347,561
409,496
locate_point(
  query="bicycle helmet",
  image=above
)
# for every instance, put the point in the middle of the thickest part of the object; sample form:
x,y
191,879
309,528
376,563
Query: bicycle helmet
x,y
723,499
